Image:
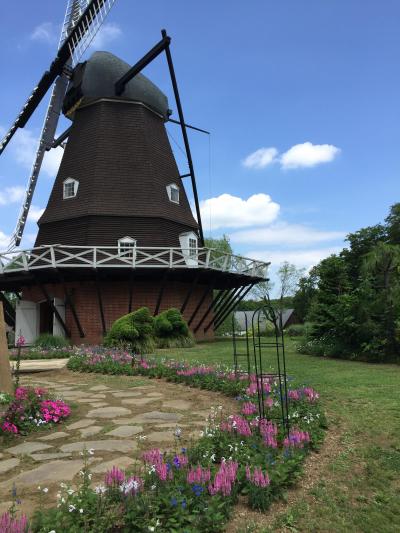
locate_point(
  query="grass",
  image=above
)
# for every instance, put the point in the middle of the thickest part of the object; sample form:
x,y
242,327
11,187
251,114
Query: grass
x,y
357,486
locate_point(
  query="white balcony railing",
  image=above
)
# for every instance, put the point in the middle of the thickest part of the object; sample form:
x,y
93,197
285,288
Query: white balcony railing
x,y
60,256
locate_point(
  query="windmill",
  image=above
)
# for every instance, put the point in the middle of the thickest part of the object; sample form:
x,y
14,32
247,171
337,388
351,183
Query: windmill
x,y
118,231
83,19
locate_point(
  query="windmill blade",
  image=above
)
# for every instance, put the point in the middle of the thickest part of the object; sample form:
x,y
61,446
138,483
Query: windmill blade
x,y
81,23
75,42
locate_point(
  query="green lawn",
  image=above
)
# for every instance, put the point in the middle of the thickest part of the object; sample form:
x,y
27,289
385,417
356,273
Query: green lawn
x,y
358,485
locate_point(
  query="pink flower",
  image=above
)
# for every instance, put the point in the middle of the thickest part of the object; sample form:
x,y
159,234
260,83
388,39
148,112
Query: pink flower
x,y
249,408
8,427
113,477
20,341
296,439
9,524
198,475
224,479
238,424
258,478
268,431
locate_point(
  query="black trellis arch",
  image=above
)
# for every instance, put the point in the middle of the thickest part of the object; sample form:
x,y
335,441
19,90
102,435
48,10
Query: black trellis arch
x,y
261,352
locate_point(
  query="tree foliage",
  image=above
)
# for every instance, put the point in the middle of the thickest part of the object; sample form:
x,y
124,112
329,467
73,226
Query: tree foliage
x,y
353,299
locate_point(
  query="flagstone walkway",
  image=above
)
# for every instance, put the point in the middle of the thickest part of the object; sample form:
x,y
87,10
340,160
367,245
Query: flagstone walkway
x,y
116,416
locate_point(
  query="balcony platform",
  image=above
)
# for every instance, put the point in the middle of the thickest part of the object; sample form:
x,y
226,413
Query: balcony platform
x,y
72,263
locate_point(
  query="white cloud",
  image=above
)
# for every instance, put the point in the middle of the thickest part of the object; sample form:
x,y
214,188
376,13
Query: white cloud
x,y
227,211
300,155
35,213
300,258
308,155
24,147
110,31
11,195
261,158
47,32
4,240
285,234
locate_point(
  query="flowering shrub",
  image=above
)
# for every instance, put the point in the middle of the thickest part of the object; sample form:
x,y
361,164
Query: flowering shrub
x,y
239,454
31,408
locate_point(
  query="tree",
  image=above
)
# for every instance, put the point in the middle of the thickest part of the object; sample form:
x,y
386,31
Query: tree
x,y
305,293
288,280
393,224
381,269
222,244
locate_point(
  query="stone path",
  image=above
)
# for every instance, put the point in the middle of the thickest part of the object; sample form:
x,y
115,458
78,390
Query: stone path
x,y
116,416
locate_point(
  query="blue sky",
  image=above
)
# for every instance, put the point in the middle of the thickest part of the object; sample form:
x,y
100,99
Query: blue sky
x,y
301,97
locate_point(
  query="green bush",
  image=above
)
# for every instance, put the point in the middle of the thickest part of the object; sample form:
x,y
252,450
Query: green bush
x,y
134,331
296,330
171,330
47,341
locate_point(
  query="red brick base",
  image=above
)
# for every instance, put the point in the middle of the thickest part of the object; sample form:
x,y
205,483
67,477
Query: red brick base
x,y
115,298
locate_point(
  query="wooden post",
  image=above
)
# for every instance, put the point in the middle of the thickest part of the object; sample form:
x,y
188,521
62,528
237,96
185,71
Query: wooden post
x,y
6,384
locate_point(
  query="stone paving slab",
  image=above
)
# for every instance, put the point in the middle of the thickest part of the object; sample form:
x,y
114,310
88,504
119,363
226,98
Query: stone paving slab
x,y
111,445
109,412
28,447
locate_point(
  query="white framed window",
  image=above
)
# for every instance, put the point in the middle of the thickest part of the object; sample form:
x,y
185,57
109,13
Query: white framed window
x,y
126,247
173,193
189,245
70,188
192,246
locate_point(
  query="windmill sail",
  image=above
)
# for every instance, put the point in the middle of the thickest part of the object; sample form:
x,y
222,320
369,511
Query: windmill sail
x,y
82,20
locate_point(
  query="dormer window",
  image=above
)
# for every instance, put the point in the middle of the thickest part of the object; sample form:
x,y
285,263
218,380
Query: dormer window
x,y
70,188
173,193
126,247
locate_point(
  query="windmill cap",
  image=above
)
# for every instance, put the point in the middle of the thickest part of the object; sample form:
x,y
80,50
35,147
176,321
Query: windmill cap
x,y
96,78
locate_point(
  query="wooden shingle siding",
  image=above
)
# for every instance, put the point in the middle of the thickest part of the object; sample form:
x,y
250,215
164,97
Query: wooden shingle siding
x,y
106,230
121,156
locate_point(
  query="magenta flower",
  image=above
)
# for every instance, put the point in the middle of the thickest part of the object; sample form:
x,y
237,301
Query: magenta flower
x,y
198,475
257,478
9,524
114,477
297,439
224,479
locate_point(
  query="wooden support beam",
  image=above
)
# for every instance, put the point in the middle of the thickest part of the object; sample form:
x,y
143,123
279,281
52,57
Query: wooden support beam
x,y
221,309
8,309
161,292
6,384
189,293
200,303
100,300
234,304
70,303
209,309
54,308
131,280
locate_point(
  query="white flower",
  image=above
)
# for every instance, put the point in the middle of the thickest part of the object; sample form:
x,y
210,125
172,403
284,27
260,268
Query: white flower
x,y
89,476
100,489
178,432
153,487
71,508
81,511
39,487
52,531
151,528
212,457
70,491
45,490
91,451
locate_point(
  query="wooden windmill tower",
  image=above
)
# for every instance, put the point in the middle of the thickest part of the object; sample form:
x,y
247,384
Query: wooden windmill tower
x,y
118,232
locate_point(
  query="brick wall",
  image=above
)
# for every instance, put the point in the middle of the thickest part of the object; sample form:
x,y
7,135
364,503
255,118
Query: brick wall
x,y
115,297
